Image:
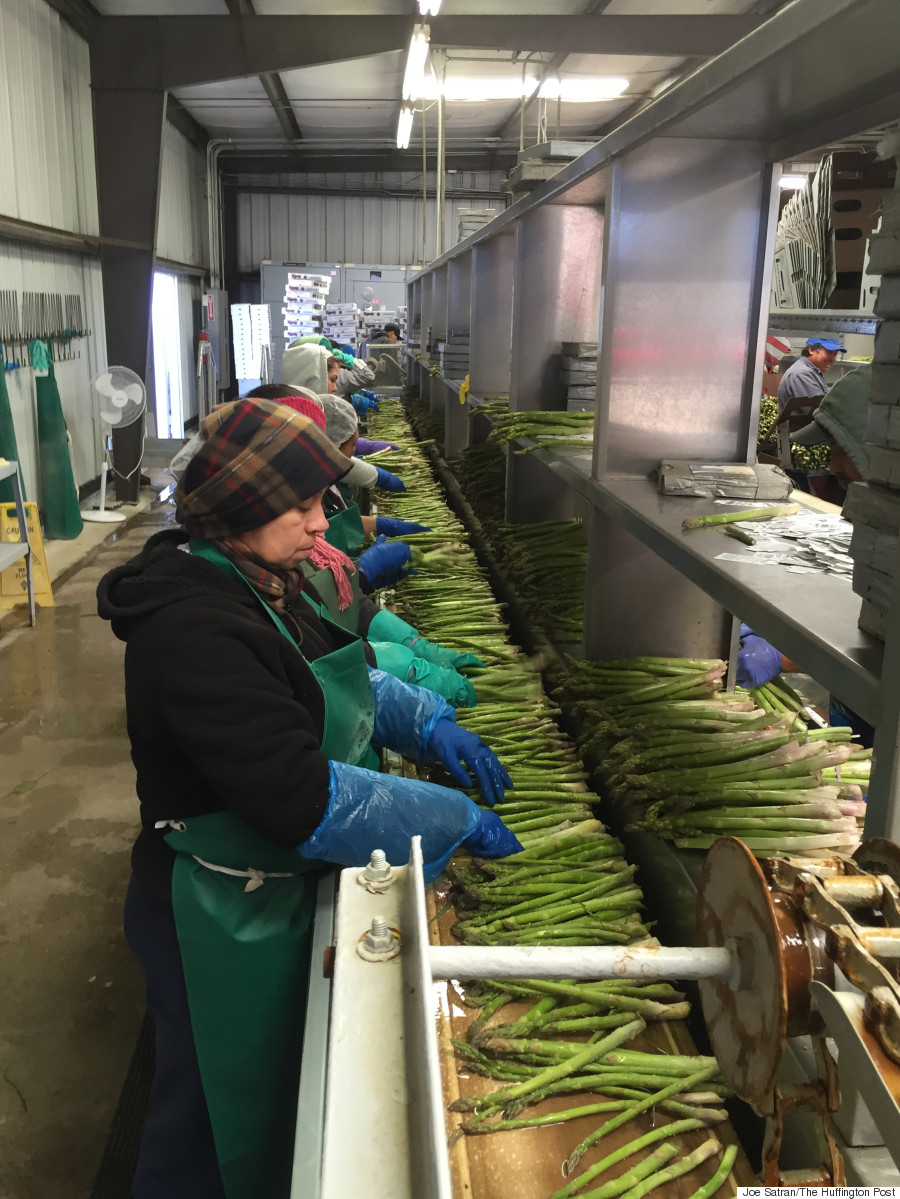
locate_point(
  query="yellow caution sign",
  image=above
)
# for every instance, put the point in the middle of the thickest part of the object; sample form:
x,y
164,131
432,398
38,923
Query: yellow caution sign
x,y
13,581
464,390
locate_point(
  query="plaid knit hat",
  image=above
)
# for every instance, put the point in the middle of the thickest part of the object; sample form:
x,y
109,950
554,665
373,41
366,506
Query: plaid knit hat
x,y
258,460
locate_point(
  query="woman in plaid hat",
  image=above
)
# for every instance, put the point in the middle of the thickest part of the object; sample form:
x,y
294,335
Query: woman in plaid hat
x,y
254,725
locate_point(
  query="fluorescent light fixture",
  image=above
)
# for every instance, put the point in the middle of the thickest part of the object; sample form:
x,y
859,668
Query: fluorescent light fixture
x,y
404,127
429,7
793,182
414,76
461,87
582,91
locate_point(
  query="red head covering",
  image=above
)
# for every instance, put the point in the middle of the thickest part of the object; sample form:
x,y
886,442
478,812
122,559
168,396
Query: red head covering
x,y
306,406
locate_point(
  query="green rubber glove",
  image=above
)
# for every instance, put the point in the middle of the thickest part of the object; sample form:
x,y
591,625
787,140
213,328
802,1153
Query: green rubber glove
x,y
441,656
402,663
386,626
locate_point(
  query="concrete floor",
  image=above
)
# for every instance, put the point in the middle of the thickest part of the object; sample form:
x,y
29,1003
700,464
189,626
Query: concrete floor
x,y
71,993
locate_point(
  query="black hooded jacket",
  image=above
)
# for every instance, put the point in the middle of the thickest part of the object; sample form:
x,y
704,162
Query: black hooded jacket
x,y
223,712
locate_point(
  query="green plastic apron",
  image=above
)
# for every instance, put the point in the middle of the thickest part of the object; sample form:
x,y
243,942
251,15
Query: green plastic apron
x,y
323,581
245,941
345,530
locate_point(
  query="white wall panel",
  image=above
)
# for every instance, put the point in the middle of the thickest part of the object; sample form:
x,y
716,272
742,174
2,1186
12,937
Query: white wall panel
x,y
343,227
23,269
46,125
182,233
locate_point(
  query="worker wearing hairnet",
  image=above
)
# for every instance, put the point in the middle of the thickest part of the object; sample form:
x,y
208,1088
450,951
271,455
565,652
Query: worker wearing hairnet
x,y
253,722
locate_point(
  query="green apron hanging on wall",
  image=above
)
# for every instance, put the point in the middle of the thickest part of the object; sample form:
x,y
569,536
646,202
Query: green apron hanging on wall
x,y
243,911
8,447
61,516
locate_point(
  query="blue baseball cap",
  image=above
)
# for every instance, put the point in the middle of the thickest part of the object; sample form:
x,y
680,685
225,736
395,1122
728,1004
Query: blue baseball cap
x,y
827,343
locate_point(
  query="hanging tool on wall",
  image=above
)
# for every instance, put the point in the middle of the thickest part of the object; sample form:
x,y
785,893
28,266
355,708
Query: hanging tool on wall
x,y
51,317
10,335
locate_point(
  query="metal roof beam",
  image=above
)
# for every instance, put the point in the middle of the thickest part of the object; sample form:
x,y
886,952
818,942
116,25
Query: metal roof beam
x,y
183,51
170,52
184,122
271,81
670,37
234,166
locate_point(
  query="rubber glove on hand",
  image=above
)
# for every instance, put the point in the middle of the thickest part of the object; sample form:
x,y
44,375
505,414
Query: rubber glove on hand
x,y
382,565
492,839
364,446
361,404
401,662
455,746
758,662
441,656
398,528
368,810
388,482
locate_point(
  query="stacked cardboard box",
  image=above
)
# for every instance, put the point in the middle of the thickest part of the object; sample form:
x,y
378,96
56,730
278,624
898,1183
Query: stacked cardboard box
x,y
304,303
473,219
578,373
453,354
341,323
874,506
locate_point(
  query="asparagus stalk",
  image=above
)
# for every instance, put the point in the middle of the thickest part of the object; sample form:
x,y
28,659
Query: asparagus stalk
x,y
722,518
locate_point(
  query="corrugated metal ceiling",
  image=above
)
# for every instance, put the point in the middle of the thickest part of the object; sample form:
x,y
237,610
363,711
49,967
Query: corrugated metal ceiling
x,y
358,100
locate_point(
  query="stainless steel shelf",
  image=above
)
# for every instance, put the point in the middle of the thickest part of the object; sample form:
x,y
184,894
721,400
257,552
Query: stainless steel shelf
x,y
821,320
810,618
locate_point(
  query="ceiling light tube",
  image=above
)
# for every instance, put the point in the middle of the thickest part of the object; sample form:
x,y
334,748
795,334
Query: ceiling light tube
x,y
416,58
582,91
429,7
404,127
794,182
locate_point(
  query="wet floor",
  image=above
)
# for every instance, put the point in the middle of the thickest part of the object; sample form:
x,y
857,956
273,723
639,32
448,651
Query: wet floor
x,y
71,994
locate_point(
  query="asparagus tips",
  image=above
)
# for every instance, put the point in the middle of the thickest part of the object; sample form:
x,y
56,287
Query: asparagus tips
x,y
724,518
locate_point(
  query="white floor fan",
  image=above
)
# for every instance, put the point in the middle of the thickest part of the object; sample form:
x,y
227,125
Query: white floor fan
x,y
121,398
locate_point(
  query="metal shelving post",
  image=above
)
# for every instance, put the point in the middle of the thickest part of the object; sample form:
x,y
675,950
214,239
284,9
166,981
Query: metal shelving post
x,y
438,333
459,316
556,299
681,345
490,329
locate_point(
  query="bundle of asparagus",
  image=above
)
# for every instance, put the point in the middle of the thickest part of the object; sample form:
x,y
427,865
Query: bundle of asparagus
x,y
547,563
702,763
481,471
556,430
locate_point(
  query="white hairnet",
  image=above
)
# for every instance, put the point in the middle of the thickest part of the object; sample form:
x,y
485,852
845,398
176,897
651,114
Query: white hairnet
x,y
341,421
305,366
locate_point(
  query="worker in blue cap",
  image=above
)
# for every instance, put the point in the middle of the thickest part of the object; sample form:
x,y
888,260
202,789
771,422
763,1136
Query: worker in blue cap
x,y
801,389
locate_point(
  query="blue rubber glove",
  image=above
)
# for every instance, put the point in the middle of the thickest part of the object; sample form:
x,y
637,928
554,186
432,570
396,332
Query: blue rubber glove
x,y
455,746
382,565
388,482
365,446
368,810
362,401
399,661
492,839
406,716
758,662
398,528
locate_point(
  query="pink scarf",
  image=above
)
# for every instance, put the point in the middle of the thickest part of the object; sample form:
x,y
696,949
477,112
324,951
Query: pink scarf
x,y
326,557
